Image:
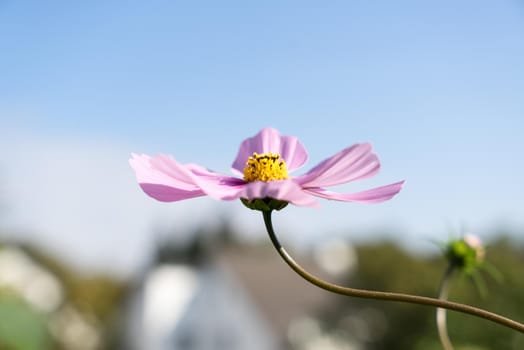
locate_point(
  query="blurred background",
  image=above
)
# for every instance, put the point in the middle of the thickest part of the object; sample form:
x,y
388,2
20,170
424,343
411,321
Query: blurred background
x,y
88,261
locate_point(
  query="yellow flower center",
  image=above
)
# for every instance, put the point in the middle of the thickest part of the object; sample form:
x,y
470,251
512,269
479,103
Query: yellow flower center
x,y
265,167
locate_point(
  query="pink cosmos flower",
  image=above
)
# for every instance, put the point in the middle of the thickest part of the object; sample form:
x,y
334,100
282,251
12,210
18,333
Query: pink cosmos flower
x,y
262,164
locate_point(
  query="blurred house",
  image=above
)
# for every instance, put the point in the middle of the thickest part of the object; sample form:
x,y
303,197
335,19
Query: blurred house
x,y
233,298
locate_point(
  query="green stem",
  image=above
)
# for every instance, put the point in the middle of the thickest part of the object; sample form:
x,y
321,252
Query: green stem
x,y
371,294
441,313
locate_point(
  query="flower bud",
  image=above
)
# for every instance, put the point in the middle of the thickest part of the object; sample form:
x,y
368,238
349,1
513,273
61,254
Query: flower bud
x,y
467,253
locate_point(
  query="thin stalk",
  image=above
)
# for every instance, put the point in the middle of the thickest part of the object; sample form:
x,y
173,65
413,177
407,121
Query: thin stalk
x,y
441,313
371,294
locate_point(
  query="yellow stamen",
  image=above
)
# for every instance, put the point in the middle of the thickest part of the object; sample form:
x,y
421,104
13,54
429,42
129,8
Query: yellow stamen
x,y
265,167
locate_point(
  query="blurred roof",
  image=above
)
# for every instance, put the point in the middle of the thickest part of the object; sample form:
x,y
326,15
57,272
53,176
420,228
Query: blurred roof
x,y
281,295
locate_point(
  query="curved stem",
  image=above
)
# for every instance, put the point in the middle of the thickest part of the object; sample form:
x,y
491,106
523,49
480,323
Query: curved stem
x,y
371,294
441,313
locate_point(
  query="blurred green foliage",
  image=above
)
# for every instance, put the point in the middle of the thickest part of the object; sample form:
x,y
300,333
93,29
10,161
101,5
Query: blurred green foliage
x,y
404,326
95,293
20,326
96,299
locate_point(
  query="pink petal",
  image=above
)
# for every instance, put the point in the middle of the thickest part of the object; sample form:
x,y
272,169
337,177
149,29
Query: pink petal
x,y
270,140
230,188
375,195
169,194
353,163
216,185
285,190
161,170
159,180
164,179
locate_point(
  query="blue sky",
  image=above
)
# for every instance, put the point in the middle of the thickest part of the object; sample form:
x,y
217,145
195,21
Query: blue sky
x,y
436,86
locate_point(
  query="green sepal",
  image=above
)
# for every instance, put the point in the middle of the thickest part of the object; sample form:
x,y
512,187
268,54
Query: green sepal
x,y
264,204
